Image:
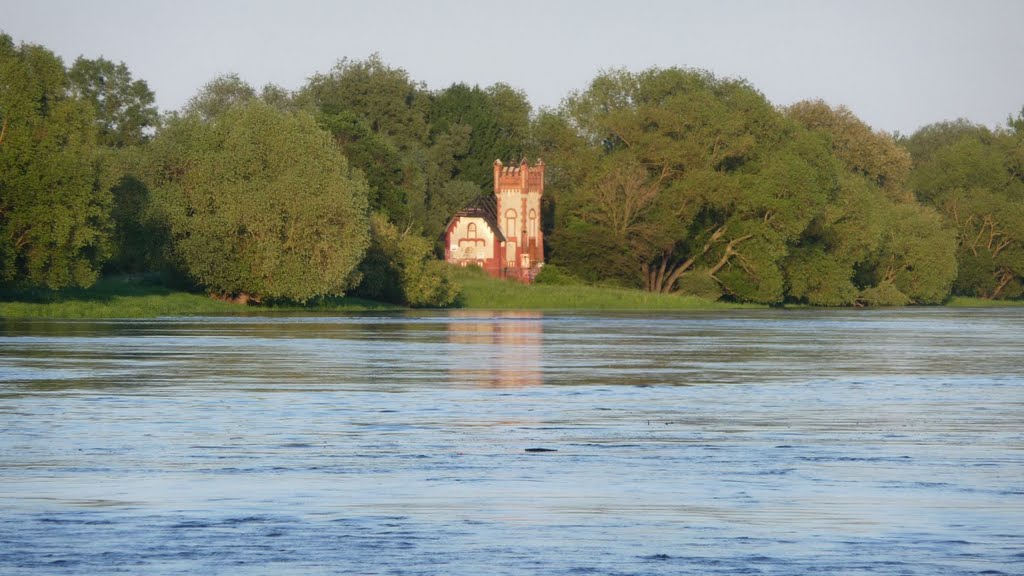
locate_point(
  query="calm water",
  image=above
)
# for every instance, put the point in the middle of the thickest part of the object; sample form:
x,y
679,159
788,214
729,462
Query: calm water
x,y
797,442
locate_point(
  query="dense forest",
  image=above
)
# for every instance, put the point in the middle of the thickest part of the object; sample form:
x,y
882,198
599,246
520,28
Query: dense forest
x,y
667,180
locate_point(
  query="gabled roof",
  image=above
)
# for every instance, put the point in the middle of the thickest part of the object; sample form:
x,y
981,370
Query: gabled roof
x,y
485,207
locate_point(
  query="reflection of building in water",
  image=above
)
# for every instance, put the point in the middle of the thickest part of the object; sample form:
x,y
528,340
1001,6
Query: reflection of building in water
x,y
502,350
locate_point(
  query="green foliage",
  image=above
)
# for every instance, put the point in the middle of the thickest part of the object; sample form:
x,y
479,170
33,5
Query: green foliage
x,y
259,202
480,291
384,98
144,296
873,244
54,198
700,284
917,255
499,119
673,170
671,180
379,119
554,275
401,268
140,240
218,96
379,159
884,294
975,178
124,108
874,155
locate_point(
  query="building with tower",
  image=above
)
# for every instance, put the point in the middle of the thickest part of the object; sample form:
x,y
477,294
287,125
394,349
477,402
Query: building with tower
x,y
502,233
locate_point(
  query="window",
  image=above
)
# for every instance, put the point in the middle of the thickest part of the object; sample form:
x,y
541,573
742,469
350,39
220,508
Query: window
x,y
510,223
533,224
471,230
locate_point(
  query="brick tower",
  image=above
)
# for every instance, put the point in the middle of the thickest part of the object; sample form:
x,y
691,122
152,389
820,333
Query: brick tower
x,y
518,190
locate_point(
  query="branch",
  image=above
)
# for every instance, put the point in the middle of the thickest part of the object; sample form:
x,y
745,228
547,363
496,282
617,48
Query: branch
x,y
1001,245
678,271
1007,275
3,131
730,251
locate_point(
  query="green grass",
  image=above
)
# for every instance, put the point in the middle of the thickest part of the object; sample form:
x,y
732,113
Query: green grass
x,y
480,291
964,302
136,297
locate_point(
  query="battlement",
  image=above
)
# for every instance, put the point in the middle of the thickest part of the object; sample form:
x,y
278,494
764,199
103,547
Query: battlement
x,y
522,176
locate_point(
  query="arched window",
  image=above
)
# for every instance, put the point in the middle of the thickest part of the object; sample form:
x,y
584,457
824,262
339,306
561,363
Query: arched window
x,y
533,223
510,223
471,230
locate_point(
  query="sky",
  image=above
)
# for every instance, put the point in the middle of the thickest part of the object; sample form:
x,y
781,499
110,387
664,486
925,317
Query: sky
x,y
897,64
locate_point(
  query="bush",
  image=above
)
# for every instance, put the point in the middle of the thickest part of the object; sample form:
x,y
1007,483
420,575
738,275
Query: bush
x,y
401,268
699,284
553,275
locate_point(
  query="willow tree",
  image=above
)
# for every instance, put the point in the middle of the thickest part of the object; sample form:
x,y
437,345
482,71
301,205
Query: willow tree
x,y
259,203
683,179
54,201
975,177
873,243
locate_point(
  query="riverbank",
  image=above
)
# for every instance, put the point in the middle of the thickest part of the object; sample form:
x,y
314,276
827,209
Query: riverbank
x,y
135,297
480,291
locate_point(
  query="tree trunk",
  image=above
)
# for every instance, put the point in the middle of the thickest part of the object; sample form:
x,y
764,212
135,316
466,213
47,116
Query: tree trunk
x,y
666,284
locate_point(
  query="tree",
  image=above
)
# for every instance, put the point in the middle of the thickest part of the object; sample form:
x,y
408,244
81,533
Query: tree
x,y
220,95
124,108
917,256
379,118
400,267
683,174
990,229
140,237
54,188
873,244
975,177
499,119
259,203
384,98
874,155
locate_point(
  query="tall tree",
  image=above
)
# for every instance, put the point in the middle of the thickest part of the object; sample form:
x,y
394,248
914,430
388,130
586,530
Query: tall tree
x,y
499,119
683,174
975,177
124,108
259,203
54,193
862,249
379,118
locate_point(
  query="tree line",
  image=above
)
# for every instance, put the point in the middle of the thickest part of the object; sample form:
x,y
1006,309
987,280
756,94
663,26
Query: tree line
x,y
667,180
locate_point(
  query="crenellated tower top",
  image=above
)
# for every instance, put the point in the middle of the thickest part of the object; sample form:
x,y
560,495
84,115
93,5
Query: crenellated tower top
x,y
523,178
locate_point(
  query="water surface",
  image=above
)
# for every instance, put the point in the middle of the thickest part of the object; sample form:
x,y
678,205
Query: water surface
x,y
764,442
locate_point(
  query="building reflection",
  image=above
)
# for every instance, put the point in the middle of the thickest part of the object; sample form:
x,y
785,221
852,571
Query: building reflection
x,y
497,350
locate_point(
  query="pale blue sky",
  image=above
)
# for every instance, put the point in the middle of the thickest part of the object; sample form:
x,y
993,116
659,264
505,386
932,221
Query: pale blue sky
x,y
898,64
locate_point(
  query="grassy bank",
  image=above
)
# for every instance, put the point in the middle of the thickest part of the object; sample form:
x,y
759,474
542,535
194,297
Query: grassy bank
x,y
132,297
962,302
135,297
482,292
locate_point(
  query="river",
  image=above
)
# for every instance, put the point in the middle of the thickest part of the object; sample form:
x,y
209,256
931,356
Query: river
x,y
747,442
